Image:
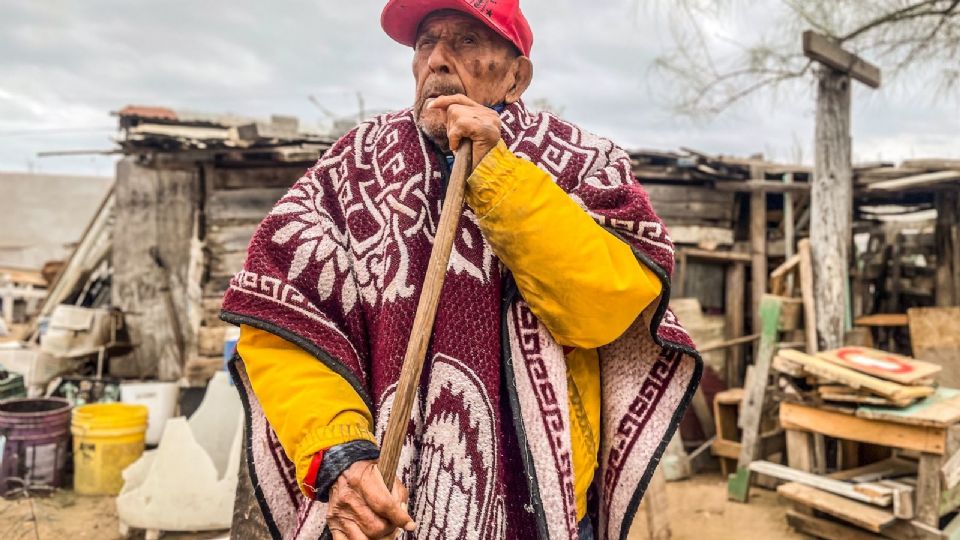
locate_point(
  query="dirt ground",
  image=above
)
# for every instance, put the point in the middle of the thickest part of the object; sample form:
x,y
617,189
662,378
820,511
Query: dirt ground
x,y
698,511
66,515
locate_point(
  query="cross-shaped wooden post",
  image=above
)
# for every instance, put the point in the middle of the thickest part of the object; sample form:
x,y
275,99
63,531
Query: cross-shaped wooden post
x,y
831,198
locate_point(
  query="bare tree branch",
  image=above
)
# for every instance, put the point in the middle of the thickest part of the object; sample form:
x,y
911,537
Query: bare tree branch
x,y
900,35
898,15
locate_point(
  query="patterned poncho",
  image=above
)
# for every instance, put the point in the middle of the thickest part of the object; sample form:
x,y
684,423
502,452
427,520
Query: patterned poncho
x,y
337,268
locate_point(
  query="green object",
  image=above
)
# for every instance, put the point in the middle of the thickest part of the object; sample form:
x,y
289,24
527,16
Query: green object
x,y
941,394
11,385
751,409
738,485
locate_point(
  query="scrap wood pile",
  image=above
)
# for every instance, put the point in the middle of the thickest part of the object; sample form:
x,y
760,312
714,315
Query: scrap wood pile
x,y
836,402
857,375
280,138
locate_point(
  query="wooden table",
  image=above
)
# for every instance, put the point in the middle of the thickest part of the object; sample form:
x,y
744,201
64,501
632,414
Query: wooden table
x,y
930,427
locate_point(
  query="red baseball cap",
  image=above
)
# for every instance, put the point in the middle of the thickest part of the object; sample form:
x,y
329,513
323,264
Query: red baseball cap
x,y
401,18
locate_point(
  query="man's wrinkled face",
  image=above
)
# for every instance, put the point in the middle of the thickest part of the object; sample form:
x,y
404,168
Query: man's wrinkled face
x,y
457,54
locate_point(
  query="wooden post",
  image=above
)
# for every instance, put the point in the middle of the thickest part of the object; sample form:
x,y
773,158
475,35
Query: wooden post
x,y
948,274
800,450
831,198
733,311
758,247
789,233
807,293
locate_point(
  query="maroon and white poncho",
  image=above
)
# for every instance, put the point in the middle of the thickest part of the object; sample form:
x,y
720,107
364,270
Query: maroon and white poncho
x,y
337,267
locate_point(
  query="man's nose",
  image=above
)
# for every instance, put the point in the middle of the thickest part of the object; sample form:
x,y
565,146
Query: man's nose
x,y
439,61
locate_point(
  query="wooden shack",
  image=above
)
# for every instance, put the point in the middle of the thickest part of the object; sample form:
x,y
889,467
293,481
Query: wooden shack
x,y
190,190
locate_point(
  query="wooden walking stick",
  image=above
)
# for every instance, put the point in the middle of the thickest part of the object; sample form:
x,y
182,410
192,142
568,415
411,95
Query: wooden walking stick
x,y
413,360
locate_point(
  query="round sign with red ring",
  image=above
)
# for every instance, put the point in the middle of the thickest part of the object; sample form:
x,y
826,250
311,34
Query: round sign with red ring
x,y
888,364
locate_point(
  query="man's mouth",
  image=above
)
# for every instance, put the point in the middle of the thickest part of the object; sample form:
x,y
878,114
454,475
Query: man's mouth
x,y
434,94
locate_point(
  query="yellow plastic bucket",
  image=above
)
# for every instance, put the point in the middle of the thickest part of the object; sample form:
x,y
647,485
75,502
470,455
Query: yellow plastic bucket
x,y
107,437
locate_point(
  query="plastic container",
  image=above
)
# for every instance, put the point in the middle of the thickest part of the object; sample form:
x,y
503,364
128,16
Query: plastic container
x,y
34,438
107,437
160,398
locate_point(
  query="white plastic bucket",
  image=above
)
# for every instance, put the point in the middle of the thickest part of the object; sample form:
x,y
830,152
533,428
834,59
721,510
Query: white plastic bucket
x,y
160,398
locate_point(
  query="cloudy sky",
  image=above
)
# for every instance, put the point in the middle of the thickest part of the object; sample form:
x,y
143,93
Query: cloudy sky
x,y
64,65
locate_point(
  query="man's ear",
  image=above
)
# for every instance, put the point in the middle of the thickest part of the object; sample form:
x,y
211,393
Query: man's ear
x,y
522,75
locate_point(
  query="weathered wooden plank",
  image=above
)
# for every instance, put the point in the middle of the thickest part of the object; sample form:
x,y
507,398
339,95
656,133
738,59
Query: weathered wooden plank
x,y
716,256
211,311
226,263
854,379
847,426
153,266
949,497
239,206
799,450
702,411
880,470
751,409
915,181
822,49
768,186
882,320
904,506
828,530
758,246
779,274
673,193
807,293
870,493
830,207
713,211
941,410
862,515
730,343
928,489
947,242
734,291
950,471
935,337
260,177
700,235
225,238
889,366
844,394
210,340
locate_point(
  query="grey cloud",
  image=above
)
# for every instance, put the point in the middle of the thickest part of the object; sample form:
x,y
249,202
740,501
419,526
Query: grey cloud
x,y
65,65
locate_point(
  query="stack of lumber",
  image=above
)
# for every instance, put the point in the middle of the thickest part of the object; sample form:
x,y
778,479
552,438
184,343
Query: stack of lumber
x,y
870,502
861,376
852,396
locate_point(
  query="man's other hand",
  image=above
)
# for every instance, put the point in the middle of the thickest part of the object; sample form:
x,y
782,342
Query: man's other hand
x,y
361,507
467,119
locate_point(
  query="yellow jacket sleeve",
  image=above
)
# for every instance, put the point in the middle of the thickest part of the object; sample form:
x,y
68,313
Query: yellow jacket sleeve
x,y
583,283
309,406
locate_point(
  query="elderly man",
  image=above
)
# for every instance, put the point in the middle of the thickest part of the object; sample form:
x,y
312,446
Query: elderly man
x,y
555,372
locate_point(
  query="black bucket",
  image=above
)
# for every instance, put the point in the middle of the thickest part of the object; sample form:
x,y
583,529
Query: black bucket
x,y
34,440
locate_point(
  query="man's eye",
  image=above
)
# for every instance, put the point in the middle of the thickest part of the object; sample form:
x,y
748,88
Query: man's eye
x,y
467,40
